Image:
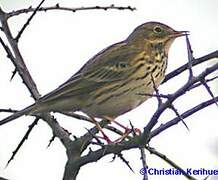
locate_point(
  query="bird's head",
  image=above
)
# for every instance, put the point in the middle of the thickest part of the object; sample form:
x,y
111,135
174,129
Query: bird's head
x,y
154,33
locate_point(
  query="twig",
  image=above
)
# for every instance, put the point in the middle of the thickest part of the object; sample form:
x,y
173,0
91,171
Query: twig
x,y
190,57
132,129
144,164
9,55
7,49
166,159
184,67
25,137
206,81
17,59
184,115
28,21
8,110
58,7
155,95
156,91
207,87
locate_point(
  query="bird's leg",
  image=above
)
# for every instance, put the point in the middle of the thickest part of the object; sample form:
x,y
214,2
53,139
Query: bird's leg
x,y
105,137
127,130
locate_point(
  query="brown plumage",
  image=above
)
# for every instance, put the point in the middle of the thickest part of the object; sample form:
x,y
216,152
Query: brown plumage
x,y
109,84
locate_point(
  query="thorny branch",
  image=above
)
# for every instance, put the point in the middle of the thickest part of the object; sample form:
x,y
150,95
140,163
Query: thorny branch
x,y
20,66
177,94
23,140
184,115
169,161
206,80
120,155
59,7
207,87
144,163
190,57
184,67
178,115
17,59
76,147
28,21
159,100
8,110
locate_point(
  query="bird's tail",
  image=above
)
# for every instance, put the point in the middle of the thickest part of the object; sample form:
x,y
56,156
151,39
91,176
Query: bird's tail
x,y
18,114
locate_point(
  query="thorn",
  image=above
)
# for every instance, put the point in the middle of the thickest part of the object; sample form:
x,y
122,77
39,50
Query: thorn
x,y
179,116
74,137
113,158
25,137
190,57
132,128
125,161
90,149
51,140
68,132
13,74
27,22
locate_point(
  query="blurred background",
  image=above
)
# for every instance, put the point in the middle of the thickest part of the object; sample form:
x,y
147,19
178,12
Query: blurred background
x,y
57,43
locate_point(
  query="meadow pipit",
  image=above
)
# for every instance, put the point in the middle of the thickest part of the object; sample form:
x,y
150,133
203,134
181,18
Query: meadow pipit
x,y
109,84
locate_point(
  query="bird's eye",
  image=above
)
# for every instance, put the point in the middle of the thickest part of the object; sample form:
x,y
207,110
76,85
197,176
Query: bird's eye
x,y
157,29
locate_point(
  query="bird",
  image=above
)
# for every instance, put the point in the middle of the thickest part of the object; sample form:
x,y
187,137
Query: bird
x,y
112,82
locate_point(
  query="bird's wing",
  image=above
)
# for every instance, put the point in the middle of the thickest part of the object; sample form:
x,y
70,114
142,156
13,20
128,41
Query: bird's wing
x,y
111,64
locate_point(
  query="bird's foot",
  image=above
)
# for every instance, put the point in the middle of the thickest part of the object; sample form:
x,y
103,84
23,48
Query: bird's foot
x,y
135,131
127,130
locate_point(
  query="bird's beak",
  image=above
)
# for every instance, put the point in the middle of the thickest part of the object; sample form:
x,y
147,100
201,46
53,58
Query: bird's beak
x,y
179,34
